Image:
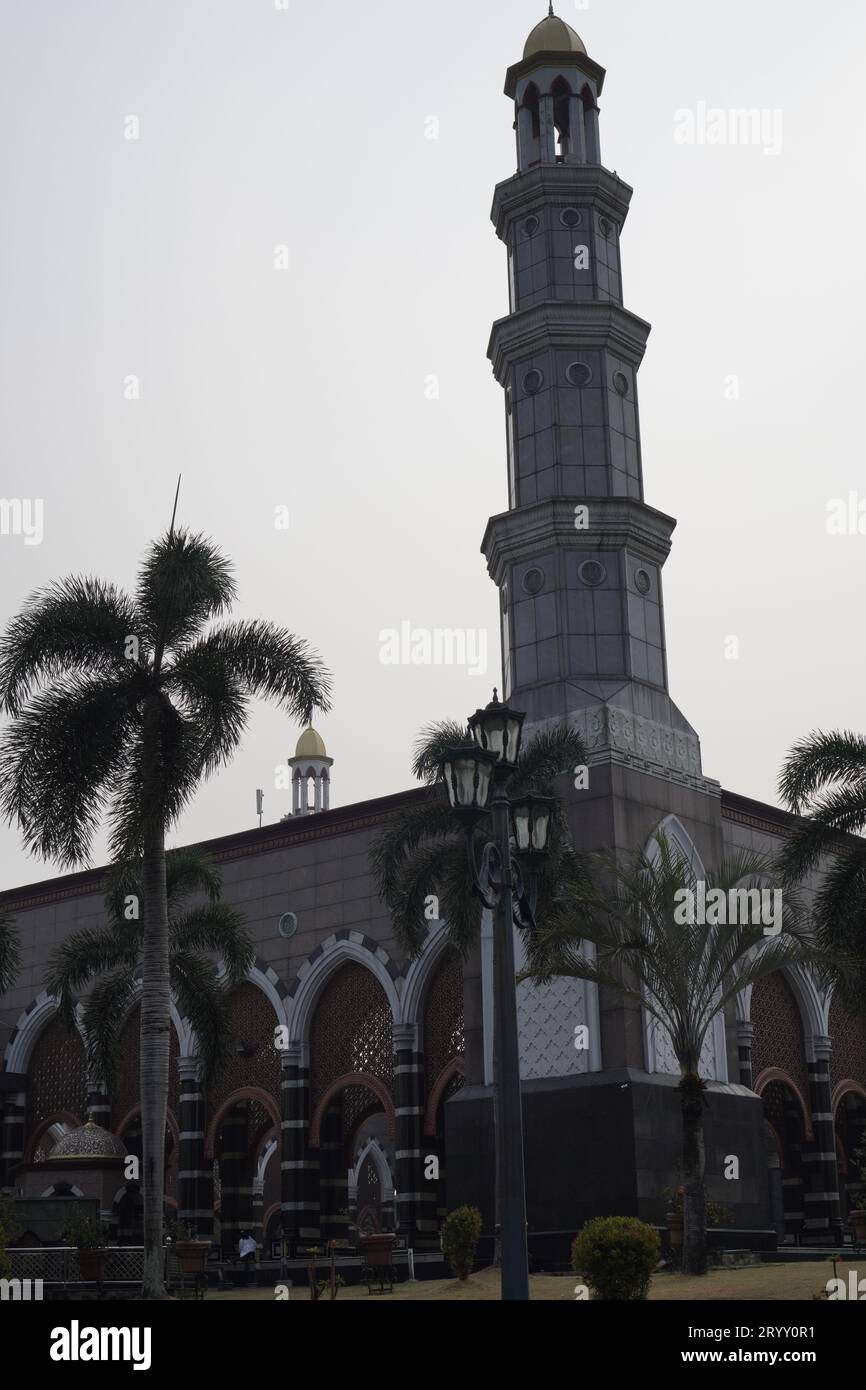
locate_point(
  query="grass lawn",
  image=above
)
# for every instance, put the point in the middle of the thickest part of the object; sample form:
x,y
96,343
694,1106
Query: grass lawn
x,y
789,1282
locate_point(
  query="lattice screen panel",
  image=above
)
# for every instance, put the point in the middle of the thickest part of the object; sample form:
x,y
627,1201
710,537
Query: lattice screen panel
x,y
848,1035
258,1062
778,1040
351,1030
57,1075
443,1017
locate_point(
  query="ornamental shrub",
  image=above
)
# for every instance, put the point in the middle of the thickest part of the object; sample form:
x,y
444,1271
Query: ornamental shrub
x,y
616,1257
461,1232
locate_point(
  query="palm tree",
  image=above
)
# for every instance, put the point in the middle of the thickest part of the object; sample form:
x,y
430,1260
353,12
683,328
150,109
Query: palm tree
x,y
10,952
421,852
120,706
108,960
682,972
824,781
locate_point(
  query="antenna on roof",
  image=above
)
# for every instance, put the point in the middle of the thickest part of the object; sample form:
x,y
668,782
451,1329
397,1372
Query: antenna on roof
x,y
174,512
260,801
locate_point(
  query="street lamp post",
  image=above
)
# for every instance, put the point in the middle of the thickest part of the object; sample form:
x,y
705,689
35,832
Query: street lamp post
x,y
476,776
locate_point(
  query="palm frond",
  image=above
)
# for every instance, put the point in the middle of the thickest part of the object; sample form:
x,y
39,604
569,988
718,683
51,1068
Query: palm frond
x,y
59,760
183,583
77,626
206,1006
218,929
820,760
104,1015
10,952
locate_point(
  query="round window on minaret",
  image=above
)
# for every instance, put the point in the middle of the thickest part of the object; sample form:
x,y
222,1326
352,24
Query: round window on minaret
x,y
570,217
643,583
592,573
578,373
533,382
530,226
605,227
533,581
620,381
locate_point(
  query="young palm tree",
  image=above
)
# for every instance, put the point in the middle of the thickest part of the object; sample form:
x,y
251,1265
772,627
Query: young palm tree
x,y
421,853
120,705
10,952
107,960
824,780
682,972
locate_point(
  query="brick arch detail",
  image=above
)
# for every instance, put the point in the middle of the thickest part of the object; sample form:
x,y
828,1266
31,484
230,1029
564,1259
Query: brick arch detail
x,y
451,1069
372,1083
171,1123
61,1117
256,1093
844,1088
776,1074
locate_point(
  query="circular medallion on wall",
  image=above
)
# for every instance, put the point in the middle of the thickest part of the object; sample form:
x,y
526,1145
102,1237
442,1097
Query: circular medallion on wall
x,y
642,581
533,382
605,227
570,217
620,381
533,581
592,573
288,925
530,226
578,373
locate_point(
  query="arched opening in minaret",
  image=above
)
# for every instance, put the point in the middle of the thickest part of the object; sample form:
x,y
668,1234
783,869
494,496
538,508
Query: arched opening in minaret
x,y
562,94
590,124
529,127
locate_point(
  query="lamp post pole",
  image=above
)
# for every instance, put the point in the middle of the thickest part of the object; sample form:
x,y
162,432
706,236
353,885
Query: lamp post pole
x,y
508,1110
476,775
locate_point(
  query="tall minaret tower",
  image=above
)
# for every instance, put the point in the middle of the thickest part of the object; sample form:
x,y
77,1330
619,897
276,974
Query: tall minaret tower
x,y
578,557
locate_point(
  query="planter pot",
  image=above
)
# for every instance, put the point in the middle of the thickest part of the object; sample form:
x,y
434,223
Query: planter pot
x,y
192,1255
675,1229
378,1250
858,1222
91,1264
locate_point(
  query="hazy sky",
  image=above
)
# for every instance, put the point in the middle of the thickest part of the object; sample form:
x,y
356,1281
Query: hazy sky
x,y
308,387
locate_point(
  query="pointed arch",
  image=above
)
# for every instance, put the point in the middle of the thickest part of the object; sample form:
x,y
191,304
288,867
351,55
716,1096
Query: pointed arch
x,y
420,973
323,962
373,1150
372,1083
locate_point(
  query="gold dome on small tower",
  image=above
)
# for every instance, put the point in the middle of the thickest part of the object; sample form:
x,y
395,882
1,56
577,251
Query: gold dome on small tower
x,y
310,745
553,35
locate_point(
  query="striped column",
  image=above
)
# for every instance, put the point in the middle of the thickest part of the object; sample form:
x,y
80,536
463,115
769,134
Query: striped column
x,y
98,1107
195,1175
821,1194
745,1036
415,1199
12,1139
334,1175
257,1229
299,1166
235,1181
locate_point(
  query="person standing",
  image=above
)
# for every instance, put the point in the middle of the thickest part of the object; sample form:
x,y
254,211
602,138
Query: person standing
x,y
247,1252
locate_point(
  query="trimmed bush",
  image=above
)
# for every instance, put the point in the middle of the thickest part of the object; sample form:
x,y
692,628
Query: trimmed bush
x,y
461,1232
616,1256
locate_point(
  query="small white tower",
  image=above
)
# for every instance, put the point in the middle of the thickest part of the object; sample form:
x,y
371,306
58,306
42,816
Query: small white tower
x,y
311,776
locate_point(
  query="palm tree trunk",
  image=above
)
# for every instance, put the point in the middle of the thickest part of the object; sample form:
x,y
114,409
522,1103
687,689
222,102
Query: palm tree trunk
x,y
694,1163
155,1023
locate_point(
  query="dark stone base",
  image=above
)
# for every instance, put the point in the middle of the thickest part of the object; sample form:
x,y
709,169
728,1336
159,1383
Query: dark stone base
x,y
608,1145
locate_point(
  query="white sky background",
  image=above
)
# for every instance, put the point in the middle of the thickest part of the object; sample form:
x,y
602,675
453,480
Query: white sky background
x,y
306,387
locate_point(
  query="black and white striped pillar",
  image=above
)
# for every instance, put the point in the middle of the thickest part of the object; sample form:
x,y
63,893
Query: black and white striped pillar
x,y
415,1200
821,1186
12,1139
195,1174
236,1188
333,1175
299,1166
